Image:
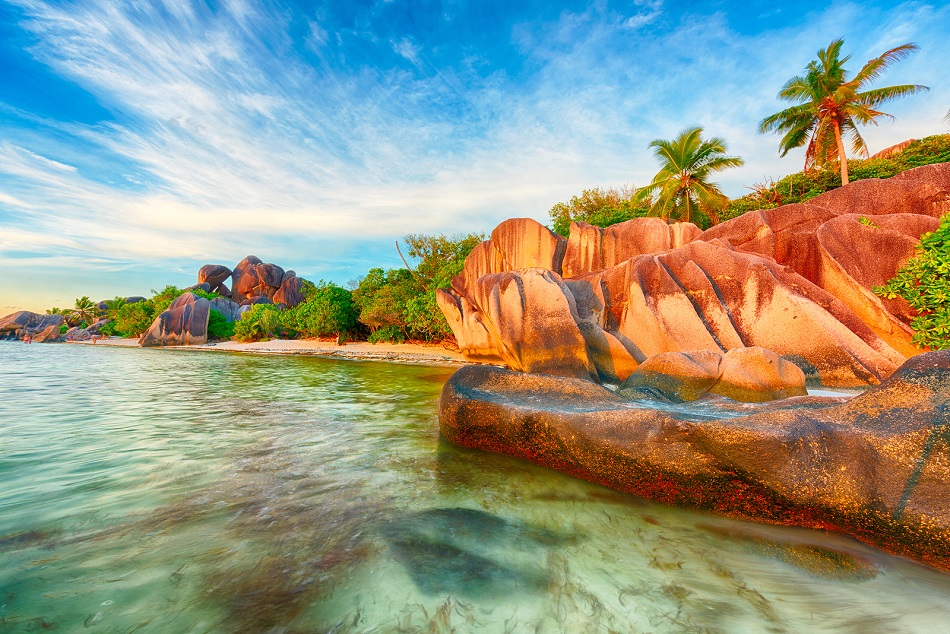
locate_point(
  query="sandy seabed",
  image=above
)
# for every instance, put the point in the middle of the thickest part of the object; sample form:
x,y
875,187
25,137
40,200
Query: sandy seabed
x,y
359,350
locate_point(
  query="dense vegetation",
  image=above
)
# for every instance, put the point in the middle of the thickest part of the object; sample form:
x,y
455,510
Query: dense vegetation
x,y
925,283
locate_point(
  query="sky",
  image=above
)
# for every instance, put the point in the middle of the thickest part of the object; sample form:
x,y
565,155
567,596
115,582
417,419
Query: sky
x,y
141,140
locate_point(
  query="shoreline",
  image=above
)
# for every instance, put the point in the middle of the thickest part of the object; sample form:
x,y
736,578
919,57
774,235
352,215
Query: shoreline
x,y
411,353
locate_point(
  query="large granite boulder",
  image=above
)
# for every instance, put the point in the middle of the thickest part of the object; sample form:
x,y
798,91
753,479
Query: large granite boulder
x,y
214,275
531,316
253,278
290,292
226,307
754,375
38,327
675,376
254,281
858,253
185,323
749,375
875,466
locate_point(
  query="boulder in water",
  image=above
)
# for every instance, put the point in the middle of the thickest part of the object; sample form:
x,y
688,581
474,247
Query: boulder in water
x,y
874,466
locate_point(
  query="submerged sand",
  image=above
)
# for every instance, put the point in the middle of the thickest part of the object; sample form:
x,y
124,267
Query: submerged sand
x,y
358,350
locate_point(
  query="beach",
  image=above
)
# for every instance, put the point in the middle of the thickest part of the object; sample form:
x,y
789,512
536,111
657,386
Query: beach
x,y
415,353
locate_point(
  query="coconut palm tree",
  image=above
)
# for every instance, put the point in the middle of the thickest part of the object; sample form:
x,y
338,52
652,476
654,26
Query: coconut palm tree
x,y
831,106
85,310
682,187
113,306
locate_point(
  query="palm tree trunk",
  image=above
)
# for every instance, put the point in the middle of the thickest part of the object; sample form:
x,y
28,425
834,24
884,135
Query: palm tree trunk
x,y
842,158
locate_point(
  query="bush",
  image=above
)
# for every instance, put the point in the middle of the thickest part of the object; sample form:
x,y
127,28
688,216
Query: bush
x,y
925,283
133,319
218,326
260,323
328,310
391,334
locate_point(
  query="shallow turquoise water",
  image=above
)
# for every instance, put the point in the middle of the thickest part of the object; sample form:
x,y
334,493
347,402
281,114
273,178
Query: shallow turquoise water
x,y
170,491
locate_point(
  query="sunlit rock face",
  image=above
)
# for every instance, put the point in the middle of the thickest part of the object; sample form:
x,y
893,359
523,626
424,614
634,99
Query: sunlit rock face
x,y
796,280
748,375
184,323
874,466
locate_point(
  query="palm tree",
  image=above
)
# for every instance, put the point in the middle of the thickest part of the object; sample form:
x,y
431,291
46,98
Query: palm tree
x,y
85,310
113,306
831,106
682,186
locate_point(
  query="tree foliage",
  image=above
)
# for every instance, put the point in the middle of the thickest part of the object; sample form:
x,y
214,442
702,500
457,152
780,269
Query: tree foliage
x,y
831,106
598,207
327,310
85,311
400,304
681,189
924,281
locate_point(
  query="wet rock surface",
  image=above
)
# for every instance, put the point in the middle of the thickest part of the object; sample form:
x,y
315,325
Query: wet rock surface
x,y
875,466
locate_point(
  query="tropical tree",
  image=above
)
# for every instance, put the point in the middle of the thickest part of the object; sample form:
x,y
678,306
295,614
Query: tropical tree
x,y
85,310
682,186
113,306
831,106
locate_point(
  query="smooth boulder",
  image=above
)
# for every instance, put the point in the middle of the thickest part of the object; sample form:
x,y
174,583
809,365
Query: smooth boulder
x,y
185,323
755,375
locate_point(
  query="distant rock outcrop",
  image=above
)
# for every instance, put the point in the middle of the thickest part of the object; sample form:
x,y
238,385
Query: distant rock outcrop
x,y
253,282
795,280
25,323
184,323
875,467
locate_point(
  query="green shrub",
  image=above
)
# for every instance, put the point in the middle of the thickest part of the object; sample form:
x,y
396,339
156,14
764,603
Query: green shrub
x,y
328,310
391,334
260,323
133,319
218,326
107,329
400,304
925,283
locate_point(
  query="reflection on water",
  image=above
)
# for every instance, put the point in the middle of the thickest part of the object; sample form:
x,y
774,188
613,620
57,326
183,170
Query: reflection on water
x,y
158,491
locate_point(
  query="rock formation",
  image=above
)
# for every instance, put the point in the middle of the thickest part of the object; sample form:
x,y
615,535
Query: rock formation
x,y
796,280
749,375
25,323
184,323
252,282
214,275
875,466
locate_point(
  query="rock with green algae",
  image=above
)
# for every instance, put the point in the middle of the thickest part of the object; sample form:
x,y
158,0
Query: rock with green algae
x,y
876,466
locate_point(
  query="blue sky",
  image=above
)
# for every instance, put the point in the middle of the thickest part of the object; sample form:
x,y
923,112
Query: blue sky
x,y
141,140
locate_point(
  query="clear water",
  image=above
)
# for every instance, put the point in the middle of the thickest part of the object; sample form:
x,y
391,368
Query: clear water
x,y
170,491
